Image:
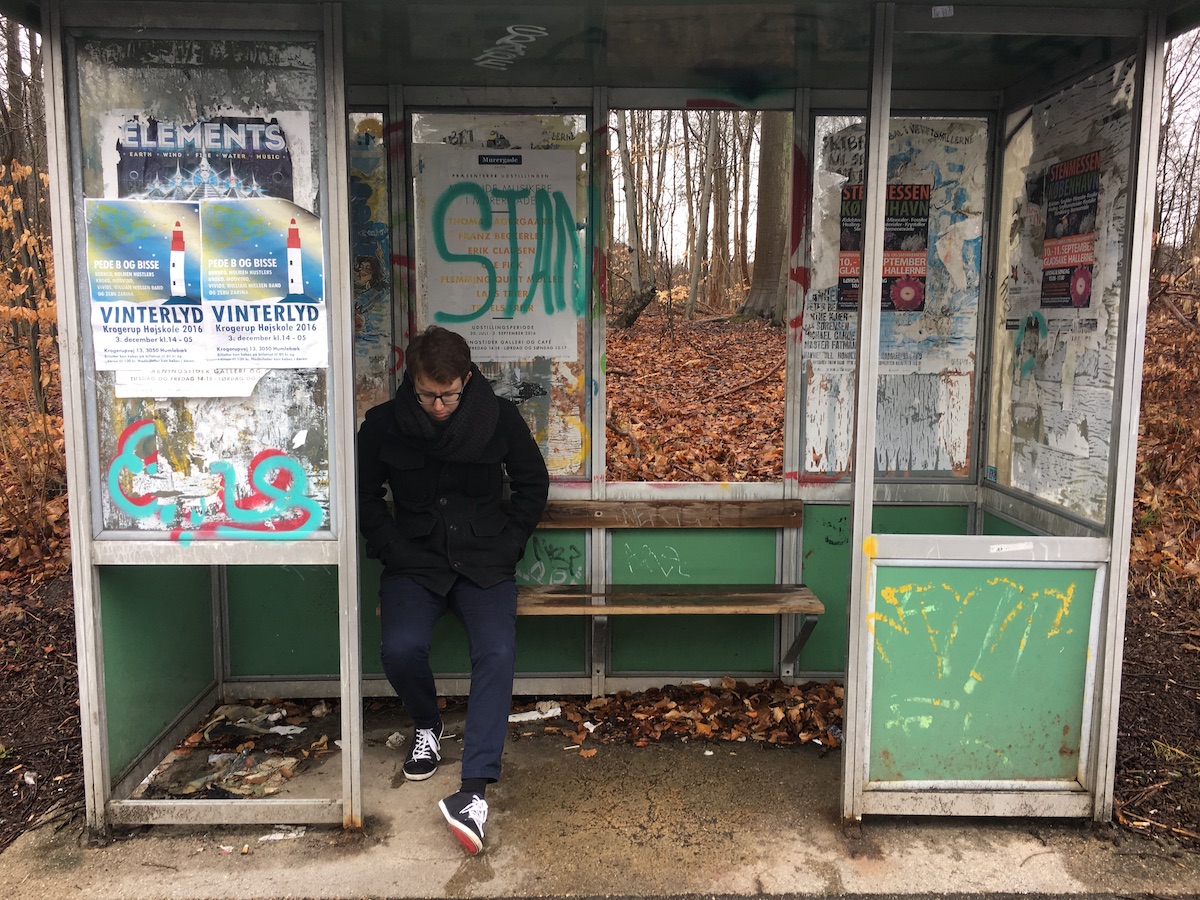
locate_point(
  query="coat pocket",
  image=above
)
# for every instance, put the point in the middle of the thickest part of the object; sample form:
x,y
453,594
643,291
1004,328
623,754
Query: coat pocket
x,y
415,526
493,530
408,474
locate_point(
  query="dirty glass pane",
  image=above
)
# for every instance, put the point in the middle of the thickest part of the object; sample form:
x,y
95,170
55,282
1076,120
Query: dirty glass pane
x,y
937,192
203,288
1061,296
503,256
371,261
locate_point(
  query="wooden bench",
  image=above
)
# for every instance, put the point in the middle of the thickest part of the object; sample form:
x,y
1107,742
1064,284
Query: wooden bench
x,y
675,599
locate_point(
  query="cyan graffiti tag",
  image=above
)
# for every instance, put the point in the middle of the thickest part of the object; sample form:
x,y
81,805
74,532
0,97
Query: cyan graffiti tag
x,y
276,506
556,248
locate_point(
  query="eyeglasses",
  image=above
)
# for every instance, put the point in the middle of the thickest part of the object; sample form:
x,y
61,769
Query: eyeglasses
x,y
450,398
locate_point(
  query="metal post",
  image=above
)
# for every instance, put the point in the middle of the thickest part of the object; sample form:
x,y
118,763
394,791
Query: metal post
x,y
342,414
89,646
869,317
1141,206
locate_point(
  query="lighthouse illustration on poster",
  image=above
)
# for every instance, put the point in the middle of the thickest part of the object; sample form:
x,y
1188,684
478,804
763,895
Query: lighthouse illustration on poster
x,y
263,283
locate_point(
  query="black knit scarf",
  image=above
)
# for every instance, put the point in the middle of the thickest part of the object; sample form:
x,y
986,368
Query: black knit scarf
x,y
465,434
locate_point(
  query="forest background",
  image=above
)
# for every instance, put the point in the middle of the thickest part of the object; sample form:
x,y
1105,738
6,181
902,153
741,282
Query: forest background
x,y
698,269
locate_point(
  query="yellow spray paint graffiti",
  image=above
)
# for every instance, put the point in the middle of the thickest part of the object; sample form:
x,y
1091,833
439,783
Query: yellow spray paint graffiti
x,y
995,669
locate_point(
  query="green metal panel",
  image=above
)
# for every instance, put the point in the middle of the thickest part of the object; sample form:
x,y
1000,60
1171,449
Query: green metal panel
x,y
553,644
826,566
978,673
698,644
157,629
283,620
1002,527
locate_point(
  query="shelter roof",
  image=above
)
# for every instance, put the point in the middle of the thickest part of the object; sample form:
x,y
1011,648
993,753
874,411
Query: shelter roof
x,y
743,49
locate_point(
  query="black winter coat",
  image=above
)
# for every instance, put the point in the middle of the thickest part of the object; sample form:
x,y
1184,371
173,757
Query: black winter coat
x,y
450,518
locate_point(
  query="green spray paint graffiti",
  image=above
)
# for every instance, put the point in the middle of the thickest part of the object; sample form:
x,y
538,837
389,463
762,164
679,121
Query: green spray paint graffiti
x,y
557,260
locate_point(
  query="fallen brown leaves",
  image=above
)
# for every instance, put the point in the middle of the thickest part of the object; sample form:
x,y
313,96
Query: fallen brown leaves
x,y
769,712
695,401
246,750
1166,530
1157,785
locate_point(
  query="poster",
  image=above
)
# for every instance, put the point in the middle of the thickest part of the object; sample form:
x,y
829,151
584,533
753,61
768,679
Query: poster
x,y
145,285
203,263
227,156
263,285
929,296
375,357
1069,251
502,249
905,246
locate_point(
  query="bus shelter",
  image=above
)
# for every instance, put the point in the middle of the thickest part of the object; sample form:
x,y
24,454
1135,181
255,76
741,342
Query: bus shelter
x,y
256,203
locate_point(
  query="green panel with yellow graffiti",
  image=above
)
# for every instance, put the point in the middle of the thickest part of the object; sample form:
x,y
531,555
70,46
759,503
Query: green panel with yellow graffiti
x,y
978,673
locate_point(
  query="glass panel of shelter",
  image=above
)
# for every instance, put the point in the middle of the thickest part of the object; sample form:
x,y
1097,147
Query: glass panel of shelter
x,y
1061,302
501,222
930,295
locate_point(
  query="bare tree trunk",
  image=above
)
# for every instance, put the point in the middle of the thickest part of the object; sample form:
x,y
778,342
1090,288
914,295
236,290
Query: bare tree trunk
x,y
718,266
700,244
746,142
768,289
689,180
631,205
659,178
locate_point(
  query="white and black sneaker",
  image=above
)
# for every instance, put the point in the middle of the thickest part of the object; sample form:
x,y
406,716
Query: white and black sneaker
x,y
425,753
466,814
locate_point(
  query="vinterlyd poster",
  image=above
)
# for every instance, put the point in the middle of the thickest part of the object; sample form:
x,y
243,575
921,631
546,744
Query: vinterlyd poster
x,y
1069,251
905,247
263,284
144,272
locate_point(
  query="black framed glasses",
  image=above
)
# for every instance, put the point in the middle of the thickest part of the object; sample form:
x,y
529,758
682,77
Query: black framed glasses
x,y
450,398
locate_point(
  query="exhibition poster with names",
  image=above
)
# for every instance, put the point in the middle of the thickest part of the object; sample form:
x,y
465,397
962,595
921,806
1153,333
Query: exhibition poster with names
x,y
204,261
501,249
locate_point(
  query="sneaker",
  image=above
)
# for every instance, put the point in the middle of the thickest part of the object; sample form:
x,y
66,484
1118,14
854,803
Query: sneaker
x,y
466,814
425,753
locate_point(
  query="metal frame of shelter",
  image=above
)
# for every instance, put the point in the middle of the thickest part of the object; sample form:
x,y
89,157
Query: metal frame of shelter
x,y
335,45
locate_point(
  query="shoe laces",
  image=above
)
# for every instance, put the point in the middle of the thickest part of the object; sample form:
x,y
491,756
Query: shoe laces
x,y
425,744
476,811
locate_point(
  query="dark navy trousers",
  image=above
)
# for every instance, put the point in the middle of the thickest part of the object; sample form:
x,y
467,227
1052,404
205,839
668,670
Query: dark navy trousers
x,y
408,613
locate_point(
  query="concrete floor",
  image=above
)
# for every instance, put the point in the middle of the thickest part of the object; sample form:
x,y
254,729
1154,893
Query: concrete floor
x,y
661,821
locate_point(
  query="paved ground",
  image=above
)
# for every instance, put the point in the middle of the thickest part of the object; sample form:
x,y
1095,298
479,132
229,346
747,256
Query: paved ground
x,y
680,820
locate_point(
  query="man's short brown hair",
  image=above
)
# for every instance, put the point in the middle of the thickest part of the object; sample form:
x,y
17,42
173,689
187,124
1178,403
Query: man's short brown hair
x,y
439,355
